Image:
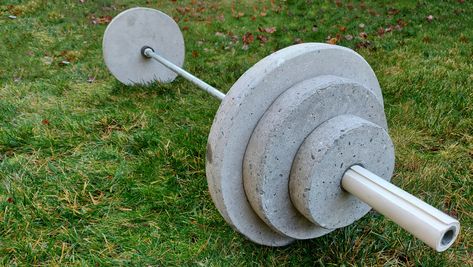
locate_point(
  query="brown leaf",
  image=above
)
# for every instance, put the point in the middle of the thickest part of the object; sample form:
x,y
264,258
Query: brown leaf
x,y
393,11
263,39
332,41
185,28
45,122
248,38
298,41
381,31
363,35
195,53
10,200
268,30
363,44
101,20
342,28
401,23
262,14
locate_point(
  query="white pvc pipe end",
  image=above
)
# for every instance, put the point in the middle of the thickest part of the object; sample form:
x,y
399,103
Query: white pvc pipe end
x,y
435,228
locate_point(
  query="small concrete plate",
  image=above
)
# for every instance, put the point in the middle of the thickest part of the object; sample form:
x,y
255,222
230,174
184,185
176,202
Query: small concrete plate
x,y
134,28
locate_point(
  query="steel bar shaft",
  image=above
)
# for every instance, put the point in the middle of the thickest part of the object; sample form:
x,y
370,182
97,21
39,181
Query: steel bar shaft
x,y
433,227
148,52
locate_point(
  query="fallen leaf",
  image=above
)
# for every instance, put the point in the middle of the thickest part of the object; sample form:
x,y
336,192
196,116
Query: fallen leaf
x,y
401,23
332,41
101,20
262,14
363,44
195,53
363,35
248,38
381,31
263,39
361,25
185,28
430,18
268,30
10,200
393,11
298,41
342,28
45,122
348,37
91,79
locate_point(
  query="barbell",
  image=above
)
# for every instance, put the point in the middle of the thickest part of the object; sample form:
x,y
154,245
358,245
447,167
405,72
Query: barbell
x,y
299,145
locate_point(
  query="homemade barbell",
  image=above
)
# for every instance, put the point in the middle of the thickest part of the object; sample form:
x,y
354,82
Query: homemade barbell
x,y
299,146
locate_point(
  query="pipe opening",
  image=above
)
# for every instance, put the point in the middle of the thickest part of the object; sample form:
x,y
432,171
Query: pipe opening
x,y
447,237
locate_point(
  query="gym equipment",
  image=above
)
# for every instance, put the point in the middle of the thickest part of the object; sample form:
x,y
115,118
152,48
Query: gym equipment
x,y
299,145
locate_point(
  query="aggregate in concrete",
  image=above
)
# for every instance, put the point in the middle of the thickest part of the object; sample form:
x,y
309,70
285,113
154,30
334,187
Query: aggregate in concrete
x,y
246,103
279,134
134,28
323,158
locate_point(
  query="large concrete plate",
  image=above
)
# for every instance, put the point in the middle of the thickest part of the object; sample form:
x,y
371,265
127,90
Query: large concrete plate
x,y
245,104
134,28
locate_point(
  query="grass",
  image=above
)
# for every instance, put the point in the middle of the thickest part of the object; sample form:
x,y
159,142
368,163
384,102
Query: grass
x,y
96,173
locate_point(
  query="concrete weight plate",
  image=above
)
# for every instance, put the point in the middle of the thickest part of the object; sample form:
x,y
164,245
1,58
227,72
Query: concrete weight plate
x,y
245,104
279,134
322,160
134,28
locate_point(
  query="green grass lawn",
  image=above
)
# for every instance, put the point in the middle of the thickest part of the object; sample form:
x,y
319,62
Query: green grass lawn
x,y
96,173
